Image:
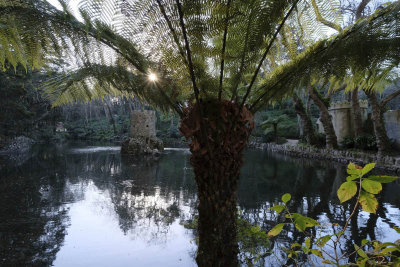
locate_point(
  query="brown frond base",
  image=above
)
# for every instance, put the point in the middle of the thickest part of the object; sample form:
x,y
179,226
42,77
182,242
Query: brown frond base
x,y
219,134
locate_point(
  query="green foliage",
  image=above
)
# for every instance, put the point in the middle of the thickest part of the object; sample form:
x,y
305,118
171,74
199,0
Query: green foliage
x,y
281,140
23,110
346,191
347,142
253,242
368,202
186,43
367,188
286,197
292,74
96,129
167,127
319,140
364,142
276,230
287,125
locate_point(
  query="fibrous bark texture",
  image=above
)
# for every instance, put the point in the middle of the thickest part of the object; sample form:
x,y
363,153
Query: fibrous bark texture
x,y
331,138
357,118
308,129
382,140
219,132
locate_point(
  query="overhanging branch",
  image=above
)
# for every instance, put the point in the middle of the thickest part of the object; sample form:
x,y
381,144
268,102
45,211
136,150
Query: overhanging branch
x,y
266,52
389,98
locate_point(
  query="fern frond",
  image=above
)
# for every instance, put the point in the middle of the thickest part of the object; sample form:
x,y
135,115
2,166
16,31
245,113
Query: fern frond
x,y
95,81
337,56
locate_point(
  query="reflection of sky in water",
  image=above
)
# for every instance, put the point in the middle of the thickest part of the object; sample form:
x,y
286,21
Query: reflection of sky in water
x,y
95,238
123,213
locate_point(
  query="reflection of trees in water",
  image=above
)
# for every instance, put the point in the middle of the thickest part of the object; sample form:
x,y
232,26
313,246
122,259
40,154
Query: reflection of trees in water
x,y
32,221
159,194
148,196
313,186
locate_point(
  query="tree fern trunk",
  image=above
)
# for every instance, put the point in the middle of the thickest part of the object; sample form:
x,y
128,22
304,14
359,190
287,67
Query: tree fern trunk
x,y
331,139
216,159
275,125
308,130
111,118
382,140
357,119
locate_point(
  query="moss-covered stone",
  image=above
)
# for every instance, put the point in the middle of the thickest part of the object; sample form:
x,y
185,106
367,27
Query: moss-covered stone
x,y
136,146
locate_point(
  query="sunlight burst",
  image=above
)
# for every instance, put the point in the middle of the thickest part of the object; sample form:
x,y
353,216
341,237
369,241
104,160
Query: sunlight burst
x,y
152,77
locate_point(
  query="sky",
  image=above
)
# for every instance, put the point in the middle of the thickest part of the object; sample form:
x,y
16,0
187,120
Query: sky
x,y
72,3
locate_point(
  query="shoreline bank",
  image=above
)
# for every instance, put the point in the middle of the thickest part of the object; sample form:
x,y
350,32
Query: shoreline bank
x,y
386,163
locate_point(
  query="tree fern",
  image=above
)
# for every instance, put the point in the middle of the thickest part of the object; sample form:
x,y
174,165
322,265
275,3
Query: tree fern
x,y
145,36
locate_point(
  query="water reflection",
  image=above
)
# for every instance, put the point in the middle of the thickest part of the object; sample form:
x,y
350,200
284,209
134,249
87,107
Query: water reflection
x,y
32,217
313,186
86,207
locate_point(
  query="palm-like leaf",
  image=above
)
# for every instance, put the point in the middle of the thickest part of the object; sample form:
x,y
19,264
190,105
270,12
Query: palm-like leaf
x,y
371,42
159,35
96,81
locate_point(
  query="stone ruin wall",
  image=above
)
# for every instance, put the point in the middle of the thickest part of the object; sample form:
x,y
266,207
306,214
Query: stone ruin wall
x,y
143,124
142,139
342,117
392,124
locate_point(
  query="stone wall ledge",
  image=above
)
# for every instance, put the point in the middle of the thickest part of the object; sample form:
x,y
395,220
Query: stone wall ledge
x,y
386,163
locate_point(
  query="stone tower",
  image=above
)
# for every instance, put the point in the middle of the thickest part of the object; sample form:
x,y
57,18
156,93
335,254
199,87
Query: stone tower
x,y
143,124
342,118
142,138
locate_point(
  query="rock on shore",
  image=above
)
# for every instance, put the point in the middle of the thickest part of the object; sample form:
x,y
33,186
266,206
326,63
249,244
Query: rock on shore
x,y
136,146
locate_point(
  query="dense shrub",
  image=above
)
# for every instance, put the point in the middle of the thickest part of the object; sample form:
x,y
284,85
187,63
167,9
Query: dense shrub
x,y
364,142
319,140
281,140
347,142
268,137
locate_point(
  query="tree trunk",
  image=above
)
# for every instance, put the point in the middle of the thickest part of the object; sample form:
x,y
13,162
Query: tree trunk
x,y
308,130
331,139
171,123
357,118
275,125
111,118
106,112
382,140
219,134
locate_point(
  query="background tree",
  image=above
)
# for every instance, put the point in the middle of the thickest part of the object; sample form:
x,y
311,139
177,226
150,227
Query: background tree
x,y
274,123
23,110
305,120
355,12
208,57
377,81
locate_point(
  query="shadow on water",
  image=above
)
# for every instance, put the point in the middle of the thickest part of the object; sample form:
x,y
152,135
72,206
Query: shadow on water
x,y
87,206
32,217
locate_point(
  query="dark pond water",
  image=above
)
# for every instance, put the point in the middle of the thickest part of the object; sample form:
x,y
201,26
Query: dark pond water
x,y
85,206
